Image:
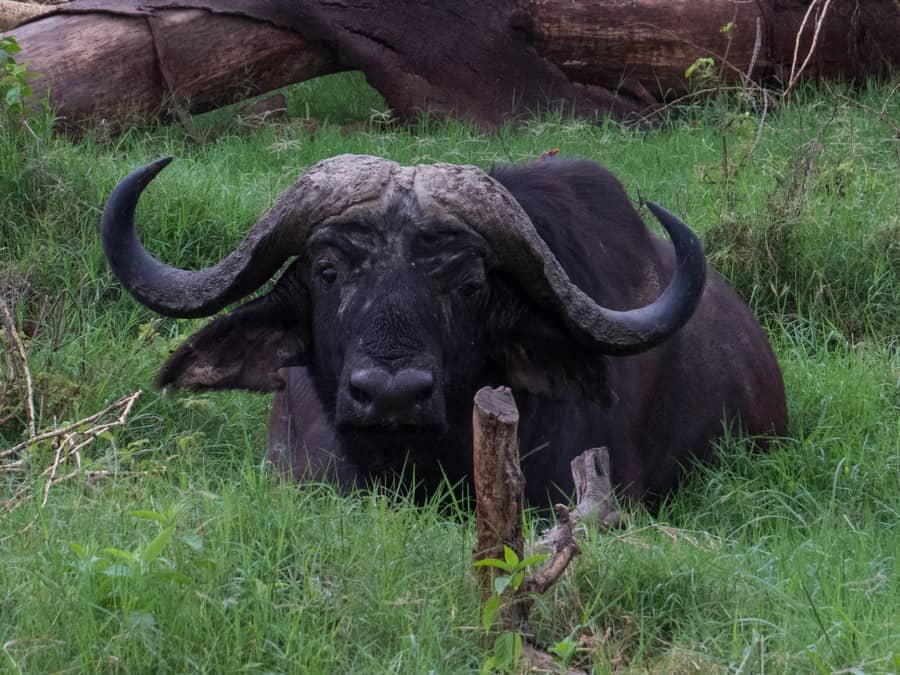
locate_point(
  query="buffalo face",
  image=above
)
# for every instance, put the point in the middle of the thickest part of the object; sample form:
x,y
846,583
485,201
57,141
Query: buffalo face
x,y
395,303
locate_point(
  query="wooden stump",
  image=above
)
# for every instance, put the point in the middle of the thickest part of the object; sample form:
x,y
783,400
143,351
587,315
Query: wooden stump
x,y
499,483
499,488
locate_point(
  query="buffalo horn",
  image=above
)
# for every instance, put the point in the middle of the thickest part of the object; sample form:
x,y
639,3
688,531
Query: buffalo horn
x,y
487,207
331,187
354,187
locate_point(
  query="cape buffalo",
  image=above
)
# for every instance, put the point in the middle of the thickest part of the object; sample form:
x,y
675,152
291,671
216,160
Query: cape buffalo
x,y
412,287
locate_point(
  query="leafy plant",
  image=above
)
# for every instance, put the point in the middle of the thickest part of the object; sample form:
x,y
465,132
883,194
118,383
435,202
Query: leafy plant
x,y
125,579
14,77
703,69
508,644
564,650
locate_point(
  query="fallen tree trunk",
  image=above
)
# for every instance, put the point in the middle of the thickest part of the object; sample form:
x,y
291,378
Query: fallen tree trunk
x,y
486,62
651,43
113,71
12,13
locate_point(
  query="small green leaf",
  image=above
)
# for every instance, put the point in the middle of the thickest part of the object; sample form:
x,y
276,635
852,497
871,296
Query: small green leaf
x,y
534,559
507,648
512,559
727,27
500,583
564,649
10,46
206,564
489,611
492,562
80,550
517,579
704,62
149,515
488,666
195,541
155,547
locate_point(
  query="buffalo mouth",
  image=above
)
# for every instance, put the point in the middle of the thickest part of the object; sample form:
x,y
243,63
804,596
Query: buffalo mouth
x,y
393,432
392,448
391,402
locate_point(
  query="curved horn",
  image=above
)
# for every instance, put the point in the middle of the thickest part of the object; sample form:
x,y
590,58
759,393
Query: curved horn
x,y
487,207
354,186
647,326
330,187
172,291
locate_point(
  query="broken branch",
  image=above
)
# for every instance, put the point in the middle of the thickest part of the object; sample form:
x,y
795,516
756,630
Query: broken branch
x,y
12,335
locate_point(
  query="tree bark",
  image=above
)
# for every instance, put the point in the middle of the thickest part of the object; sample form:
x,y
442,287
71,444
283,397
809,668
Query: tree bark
x,y
650,43
12,13
115,70
485,62
498,478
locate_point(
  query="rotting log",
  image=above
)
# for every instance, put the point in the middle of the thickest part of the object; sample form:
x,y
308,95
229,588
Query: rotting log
x,y
485,62
648,45
12,13
112,70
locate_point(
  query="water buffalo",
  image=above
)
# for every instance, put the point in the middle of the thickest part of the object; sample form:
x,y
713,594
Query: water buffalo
x,y
411,287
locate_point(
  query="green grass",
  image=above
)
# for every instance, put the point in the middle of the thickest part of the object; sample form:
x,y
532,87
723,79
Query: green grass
x,y
783,562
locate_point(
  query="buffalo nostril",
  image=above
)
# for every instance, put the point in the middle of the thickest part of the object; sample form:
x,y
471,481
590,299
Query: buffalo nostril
x,y
368,384
359,395
383,392
413,385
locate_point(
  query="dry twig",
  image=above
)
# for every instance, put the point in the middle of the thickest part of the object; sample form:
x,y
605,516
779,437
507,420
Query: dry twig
x,y
69,442
757,45
12,336
564,549
819,22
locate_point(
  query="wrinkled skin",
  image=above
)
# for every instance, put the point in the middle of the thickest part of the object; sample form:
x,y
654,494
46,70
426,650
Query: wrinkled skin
x,y
385,327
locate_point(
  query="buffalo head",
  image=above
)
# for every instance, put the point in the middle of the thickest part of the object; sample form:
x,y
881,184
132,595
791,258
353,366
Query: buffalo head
x,y
410,287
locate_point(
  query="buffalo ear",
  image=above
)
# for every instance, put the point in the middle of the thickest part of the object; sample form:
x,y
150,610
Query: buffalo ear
x,y
540,356
557,369
242,350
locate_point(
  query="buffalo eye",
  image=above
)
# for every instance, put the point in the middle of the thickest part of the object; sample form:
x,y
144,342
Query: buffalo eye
x,y
469,289
328,274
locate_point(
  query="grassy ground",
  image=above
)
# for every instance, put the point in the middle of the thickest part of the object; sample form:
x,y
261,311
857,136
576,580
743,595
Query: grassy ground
x,y
186,556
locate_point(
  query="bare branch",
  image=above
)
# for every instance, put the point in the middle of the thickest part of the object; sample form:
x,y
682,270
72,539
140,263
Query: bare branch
x,y
69,442
12,335
127,401
564,549
820,20
757,45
